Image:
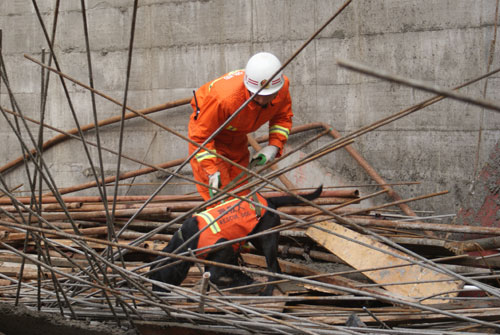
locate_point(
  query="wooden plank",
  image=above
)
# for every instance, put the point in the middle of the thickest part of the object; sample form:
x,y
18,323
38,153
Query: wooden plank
x,y
363,257
303,270
413,317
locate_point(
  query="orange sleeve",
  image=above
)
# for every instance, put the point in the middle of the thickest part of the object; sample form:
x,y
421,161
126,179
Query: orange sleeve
x,y
281,123
209,119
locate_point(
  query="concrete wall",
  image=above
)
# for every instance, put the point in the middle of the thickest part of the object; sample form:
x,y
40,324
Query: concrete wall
x,y
179,45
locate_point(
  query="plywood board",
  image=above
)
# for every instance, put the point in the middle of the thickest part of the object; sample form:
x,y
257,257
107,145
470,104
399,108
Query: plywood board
x,y
301,270
363,257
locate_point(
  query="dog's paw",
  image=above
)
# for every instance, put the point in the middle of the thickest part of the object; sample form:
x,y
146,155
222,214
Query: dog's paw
x,y
222,281
242,279
268,290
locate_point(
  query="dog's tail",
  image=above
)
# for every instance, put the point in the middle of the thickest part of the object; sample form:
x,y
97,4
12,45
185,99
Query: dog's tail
x,y
289,200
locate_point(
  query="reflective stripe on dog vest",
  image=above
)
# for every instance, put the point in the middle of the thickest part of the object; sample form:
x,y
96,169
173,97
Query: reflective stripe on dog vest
x,y
238,222
210,221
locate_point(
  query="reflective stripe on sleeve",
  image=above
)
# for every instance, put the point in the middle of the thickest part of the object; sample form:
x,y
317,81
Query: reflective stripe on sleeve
x,y
227,76
279,130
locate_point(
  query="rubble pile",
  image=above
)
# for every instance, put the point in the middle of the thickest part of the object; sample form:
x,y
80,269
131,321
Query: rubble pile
x,y
379,273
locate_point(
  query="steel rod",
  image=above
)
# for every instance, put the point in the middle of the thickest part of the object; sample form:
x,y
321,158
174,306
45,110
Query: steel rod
x,y
204,285
418,84
423,307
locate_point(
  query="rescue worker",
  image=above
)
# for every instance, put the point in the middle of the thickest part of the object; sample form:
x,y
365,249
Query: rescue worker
x,y
218,100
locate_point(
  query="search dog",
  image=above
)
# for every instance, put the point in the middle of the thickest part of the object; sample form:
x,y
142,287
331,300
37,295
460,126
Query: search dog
x,y
212,233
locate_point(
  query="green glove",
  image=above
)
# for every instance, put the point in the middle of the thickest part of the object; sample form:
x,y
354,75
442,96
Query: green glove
x,y
266,154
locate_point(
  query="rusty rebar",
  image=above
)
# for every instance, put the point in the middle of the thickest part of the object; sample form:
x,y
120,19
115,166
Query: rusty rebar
x,y
419,84
384,298
62,137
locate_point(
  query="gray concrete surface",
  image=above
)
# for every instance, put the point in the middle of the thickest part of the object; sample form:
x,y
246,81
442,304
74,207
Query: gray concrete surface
x,y
179,45
19,320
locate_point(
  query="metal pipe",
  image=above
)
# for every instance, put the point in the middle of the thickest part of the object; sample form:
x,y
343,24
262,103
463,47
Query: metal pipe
x,y
421,226
46,207
86,199
460,247
62,137
163,211
337,208
400,201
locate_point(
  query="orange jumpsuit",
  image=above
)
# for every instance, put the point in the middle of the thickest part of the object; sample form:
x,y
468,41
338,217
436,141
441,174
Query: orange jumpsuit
x,y
217,101
238,222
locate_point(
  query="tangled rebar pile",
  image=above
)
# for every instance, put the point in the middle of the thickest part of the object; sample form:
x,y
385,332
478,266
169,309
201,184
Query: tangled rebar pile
x,y
348,267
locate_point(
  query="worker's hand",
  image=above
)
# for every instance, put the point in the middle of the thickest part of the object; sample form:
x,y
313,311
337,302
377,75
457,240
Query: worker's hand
x,y
213,181
266,154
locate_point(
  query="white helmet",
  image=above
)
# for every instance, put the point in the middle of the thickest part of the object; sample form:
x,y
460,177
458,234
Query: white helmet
x,y
259,69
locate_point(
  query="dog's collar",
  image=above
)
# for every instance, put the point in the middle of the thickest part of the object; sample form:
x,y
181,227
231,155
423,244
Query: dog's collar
x,y
179,233
258,209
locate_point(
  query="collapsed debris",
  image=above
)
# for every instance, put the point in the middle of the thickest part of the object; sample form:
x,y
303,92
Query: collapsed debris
x,y
318,289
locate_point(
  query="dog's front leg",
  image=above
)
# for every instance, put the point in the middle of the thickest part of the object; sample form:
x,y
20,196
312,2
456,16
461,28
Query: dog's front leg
x,y
172,271
269,246
223,277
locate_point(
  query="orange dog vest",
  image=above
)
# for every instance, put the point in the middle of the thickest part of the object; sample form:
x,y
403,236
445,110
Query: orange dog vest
x,y
238,222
